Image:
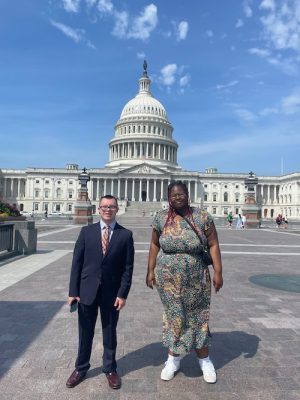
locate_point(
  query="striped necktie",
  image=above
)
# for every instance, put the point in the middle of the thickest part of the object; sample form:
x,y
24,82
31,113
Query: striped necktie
x,y
105,239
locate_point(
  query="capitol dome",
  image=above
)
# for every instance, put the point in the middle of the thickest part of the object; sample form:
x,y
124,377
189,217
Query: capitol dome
x,y
143,132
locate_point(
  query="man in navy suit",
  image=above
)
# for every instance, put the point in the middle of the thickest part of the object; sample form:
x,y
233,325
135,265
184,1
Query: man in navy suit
x,y
101,277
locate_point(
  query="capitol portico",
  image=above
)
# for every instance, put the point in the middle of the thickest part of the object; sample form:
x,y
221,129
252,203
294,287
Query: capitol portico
x,y
142,162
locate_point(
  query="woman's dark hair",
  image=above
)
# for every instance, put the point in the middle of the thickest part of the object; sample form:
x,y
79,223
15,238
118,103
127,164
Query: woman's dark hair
x,y
172,212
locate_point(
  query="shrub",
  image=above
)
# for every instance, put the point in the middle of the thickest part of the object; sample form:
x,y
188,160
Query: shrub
x,y
10,210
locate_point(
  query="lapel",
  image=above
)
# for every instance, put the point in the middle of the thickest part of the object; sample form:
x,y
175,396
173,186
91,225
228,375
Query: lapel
x,y
97,237
114,239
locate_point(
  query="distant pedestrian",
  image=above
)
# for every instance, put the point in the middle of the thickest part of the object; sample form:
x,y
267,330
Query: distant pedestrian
x,y
239,222
285,222
230,220
244,221
46,214
278,220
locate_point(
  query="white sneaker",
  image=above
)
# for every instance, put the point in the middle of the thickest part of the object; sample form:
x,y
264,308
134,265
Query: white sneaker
x,y
209,372
171,366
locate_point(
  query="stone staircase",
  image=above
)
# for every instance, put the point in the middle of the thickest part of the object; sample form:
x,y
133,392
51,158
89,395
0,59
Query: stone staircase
x,y
142,208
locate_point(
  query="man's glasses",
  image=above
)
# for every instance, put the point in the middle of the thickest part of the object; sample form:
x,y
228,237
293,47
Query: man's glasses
x,y
104,208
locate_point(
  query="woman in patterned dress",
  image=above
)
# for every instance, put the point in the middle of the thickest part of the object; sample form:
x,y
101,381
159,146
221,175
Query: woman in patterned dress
x,y
177,269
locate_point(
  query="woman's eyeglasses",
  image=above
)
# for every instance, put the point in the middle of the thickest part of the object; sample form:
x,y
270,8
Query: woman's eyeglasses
x,y
104,208
178,196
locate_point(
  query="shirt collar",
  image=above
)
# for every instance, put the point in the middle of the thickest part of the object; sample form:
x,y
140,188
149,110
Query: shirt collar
x,y
111,225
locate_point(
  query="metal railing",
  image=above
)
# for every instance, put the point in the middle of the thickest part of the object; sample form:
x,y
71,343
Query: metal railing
x,y
6,237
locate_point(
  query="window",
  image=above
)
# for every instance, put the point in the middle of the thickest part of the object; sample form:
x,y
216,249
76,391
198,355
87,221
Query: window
x,y
237,199
70,195
69,207
205,197
205,185
58,182
236,210
225,196
37,181
36,193
36,206
47,182
58,193
46,194
225,210
225,186
70,182
214,210
236,186
214,197
57,207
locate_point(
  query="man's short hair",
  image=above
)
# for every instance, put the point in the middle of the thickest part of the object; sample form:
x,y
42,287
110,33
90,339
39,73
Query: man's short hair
x,y
109,197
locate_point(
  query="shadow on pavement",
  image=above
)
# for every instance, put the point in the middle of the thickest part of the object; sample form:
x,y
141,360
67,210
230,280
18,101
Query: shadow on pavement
x,y
21,322
226,346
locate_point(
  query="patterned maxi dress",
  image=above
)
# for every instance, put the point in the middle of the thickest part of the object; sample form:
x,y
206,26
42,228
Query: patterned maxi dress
x,y
183,282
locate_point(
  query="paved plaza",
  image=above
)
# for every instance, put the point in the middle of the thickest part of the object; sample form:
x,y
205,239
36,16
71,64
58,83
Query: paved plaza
x,y
256,330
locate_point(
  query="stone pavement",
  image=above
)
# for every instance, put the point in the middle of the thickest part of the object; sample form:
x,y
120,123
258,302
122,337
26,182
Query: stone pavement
x,y
256,331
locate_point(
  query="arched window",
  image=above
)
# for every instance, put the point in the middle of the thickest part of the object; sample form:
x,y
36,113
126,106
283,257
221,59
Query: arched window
x,y
225,196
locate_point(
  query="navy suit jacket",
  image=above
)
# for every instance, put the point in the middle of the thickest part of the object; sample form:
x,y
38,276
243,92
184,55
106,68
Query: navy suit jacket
x,y
90,269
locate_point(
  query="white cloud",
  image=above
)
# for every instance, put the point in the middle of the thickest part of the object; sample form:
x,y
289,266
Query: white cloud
x,y
230,84
245,114
239,23
144,24
71,5
268,4
182,30
121,24
141,55
259,52
184,80
268,110
247,9
105,6
91,3
168,73
291,104
76,35
281,25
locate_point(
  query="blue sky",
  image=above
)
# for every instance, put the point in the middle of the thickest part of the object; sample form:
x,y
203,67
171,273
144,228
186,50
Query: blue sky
x,y
227,73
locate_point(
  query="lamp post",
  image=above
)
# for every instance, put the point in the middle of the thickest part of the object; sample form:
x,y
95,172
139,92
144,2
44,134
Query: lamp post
x,y
83,206
251,210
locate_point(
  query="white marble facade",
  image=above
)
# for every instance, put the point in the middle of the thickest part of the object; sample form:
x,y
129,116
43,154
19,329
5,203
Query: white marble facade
x,y
142,162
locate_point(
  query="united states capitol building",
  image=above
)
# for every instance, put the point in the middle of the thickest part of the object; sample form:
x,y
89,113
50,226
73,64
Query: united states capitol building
x,y
142,162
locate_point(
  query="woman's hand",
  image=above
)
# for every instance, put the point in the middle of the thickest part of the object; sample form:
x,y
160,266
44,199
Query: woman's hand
x,y
217,281
150,280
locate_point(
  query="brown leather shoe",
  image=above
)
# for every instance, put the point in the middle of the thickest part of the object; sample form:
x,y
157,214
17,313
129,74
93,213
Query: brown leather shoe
x,y
114,380
74,379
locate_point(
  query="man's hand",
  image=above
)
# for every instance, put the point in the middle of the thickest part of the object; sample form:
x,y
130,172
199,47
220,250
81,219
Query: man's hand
x,y
119,303
70,299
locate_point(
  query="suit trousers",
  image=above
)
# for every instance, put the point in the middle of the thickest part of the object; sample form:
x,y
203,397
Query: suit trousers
x,y
87,317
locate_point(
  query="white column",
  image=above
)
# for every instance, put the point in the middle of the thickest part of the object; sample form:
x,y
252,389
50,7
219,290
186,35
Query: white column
x,y
119,187
147,199
11,187
196,191
162,189
164,152
141,150
159,149
98,189
126,186
112,187
189,187
140,190
133,190
153,150
268,194
18,187
147,150
154,190
105,183
4,187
